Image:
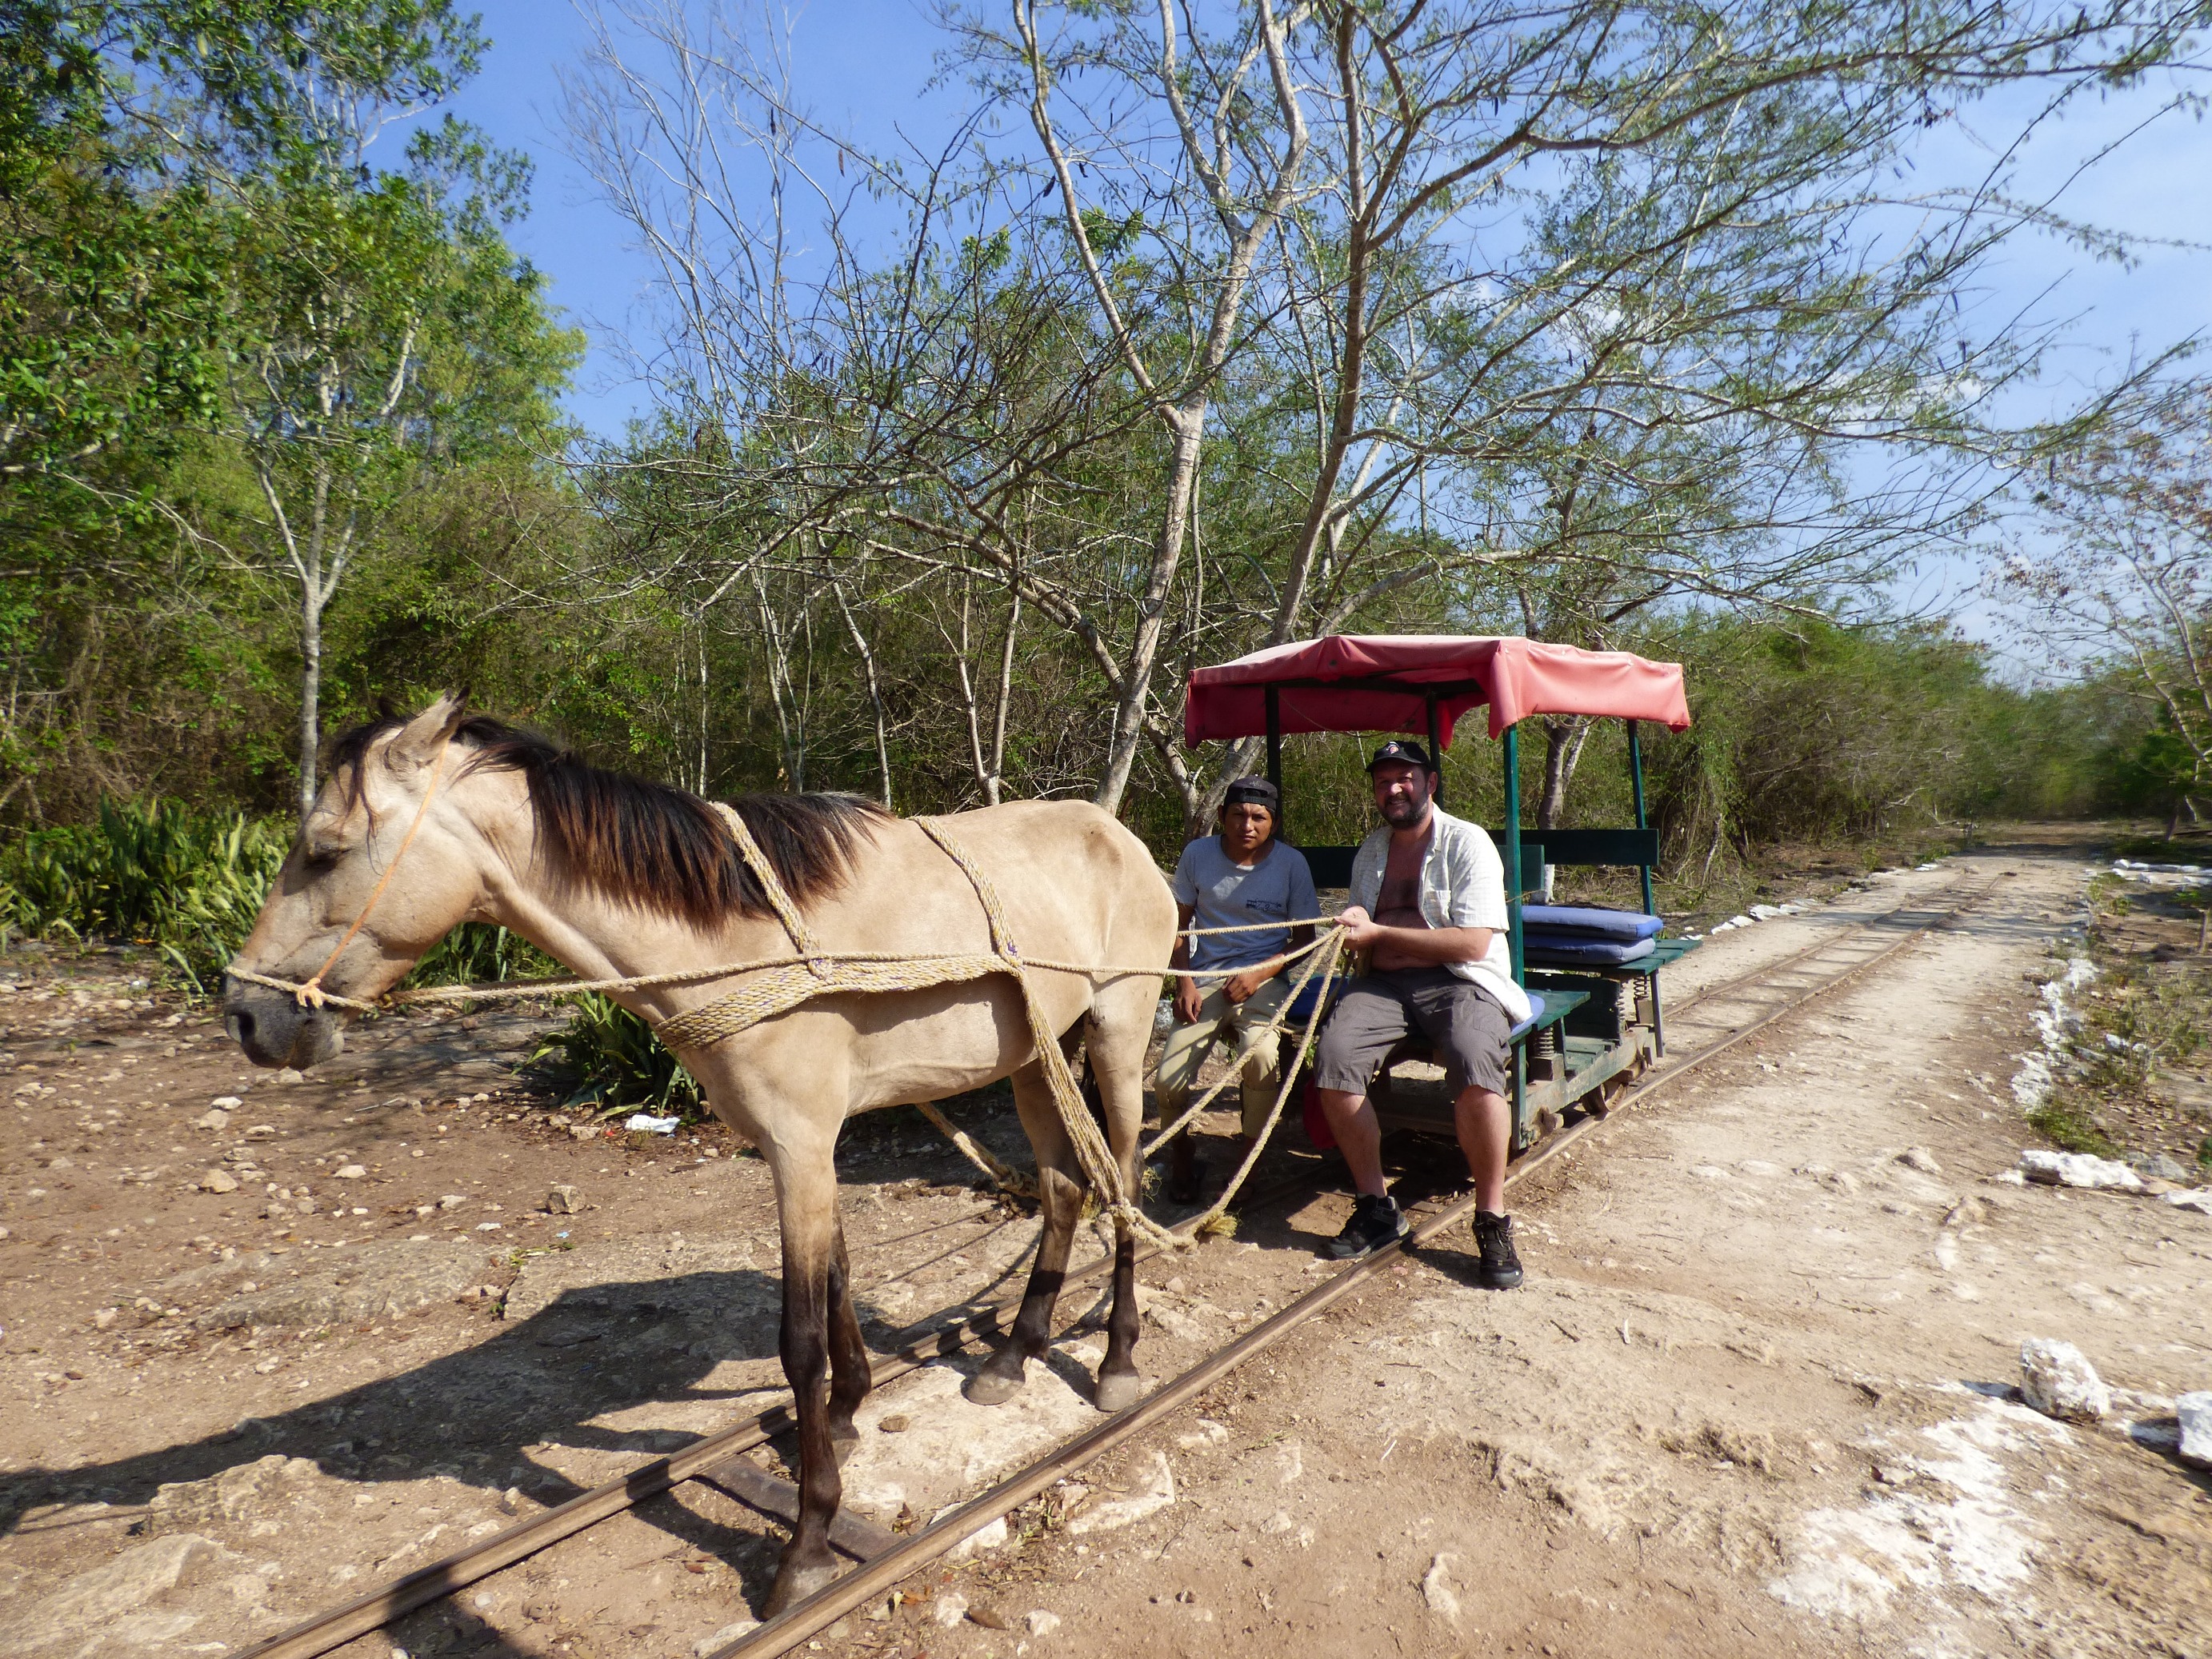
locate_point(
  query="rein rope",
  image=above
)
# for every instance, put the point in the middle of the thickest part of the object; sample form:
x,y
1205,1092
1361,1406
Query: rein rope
x,y
775,985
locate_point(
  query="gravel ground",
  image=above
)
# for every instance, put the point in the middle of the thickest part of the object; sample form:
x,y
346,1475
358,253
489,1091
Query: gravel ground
x,y
1756,1397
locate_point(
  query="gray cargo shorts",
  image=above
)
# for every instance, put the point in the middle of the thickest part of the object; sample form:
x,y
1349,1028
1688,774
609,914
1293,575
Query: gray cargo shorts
x,y
1466,1028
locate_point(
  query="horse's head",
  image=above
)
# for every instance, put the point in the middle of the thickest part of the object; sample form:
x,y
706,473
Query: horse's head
x,y
374,798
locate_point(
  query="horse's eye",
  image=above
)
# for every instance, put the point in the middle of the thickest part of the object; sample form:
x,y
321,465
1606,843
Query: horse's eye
x,y
321,858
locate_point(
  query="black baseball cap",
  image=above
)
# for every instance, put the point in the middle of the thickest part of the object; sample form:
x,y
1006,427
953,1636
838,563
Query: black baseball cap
x,y
1256,792
1409,754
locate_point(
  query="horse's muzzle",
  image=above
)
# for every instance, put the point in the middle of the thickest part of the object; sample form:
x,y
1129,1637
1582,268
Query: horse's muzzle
x,y
274,1029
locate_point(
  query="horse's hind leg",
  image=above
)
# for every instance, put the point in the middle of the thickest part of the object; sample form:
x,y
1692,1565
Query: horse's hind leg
x,y
1121,1027
1060,1199
850,1374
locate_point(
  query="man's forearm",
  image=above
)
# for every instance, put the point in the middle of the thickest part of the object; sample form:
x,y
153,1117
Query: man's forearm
x,y
1439,945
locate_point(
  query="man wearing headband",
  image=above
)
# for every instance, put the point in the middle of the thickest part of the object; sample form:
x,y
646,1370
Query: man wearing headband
x,y
1243,878
1428,906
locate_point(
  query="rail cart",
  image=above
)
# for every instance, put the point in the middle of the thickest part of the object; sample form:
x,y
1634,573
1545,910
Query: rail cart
x,y
1595,1026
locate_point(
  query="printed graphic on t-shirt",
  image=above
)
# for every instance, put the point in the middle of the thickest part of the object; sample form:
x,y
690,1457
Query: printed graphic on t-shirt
x,y
1222,893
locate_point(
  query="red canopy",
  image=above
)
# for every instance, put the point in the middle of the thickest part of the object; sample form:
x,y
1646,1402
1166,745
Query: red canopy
x,y
1382,682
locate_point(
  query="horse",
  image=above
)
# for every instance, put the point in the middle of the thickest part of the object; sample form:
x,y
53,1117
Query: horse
x,y
446,817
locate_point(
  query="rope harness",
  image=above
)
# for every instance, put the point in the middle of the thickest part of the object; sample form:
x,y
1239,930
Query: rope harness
x,y
776,985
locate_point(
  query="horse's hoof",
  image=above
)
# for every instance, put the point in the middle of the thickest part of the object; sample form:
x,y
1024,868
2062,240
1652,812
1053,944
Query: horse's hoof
x,y
989,1388
841,1445
1119,1391
794,1583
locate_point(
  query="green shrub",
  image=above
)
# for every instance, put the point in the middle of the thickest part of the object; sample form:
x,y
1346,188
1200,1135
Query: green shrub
x,y
479,952
188,883
608,1058
2066,1125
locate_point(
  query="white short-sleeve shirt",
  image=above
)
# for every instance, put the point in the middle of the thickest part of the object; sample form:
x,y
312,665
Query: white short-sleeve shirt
x,y
1462,886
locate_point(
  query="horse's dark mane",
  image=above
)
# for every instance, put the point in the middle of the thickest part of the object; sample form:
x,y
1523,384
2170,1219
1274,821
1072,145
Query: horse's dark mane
x,y
646,843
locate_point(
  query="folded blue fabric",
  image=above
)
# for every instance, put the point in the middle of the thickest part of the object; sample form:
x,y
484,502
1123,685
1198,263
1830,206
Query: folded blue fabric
x,y
1567,949
1587,921
1535,1013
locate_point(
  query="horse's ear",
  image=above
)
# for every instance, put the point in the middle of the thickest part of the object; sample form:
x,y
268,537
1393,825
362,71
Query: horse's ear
x,y
421,739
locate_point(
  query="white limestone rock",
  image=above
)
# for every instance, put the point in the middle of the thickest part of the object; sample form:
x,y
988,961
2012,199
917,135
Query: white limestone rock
x,y
113,1601
2195,1410
2050,1168
1150,1494
1437,1590
2057,1380
722,1637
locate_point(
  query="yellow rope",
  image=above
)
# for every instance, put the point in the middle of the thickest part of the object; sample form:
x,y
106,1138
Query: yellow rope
x,y
516,990
1009,1178
776,985
793,924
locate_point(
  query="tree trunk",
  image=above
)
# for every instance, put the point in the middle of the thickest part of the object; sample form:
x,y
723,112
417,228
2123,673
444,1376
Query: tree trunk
x,y
875,695
1144,648
311,692
995,785
1564,741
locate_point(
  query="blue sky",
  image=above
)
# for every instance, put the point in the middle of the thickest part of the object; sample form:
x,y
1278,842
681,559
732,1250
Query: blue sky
x,y
863,67
863,64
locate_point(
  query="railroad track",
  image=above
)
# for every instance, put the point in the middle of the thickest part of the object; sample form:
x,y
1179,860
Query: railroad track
x,y
1761,998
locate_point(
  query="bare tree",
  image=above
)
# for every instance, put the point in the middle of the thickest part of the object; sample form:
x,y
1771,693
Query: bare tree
x,y
2118,571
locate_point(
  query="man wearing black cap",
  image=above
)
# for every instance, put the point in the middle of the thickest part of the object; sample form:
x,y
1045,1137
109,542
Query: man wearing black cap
x,y
1428,906
1241,877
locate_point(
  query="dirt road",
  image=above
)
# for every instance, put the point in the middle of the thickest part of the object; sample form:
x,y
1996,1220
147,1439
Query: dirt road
x,y
1756,1397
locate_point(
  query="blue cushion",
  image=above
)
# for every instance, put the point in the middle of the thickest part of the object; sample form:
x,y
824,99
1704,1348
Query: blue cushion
x,y
1301,1006
1588,921
1568,950
1535,1013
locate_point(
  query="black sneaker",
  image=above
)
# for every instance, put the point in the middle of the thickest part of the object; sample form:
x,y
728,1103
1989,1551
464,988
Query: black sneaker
x,y
1494,1237
1375,1222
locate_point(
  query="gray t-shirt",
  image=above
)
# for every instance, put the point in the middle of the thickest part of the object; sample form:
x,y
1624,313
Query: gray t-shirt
x,y
1225,894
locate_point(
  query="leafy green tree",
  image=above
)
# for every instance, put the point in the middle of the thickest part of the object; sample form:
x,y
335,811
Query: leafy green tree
x,y
165,168
123,125
391,334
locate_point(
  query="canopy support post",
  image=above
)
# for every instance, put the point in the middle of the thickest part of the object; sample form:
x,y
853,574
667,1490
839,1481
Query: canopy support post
x,y
1512,851
1275,750
1435,746
1635,787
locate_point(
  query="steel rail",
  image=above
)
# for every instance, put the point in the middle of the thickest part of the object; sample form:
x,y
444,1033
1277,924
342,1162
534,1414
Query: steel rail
x,y
866,1582
1783,964
383,1603
378,1606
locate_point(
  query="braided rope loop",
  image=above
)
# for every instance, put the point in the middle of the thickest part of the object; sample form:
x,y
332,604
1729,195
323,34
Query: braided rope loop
x,y
776,985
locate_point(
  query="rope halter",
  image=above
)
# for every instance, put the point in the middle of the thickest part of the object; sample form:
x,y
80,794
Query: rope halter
x,y
311,994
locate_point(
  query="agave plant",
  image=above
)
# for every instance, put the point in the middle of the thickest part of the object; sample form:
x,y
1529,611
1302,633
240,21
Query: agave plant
x,y
608,1058
478,952
188,883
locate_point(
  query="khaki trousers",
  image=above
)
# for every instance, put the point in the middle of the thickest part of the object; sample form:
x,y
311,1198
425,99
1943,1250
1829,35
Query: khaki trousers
x,y
1241,1023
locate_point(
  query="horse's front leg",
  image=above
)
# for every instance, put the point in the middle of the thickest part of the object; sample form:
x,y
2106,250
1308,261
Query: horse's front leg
x,y
806,1197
